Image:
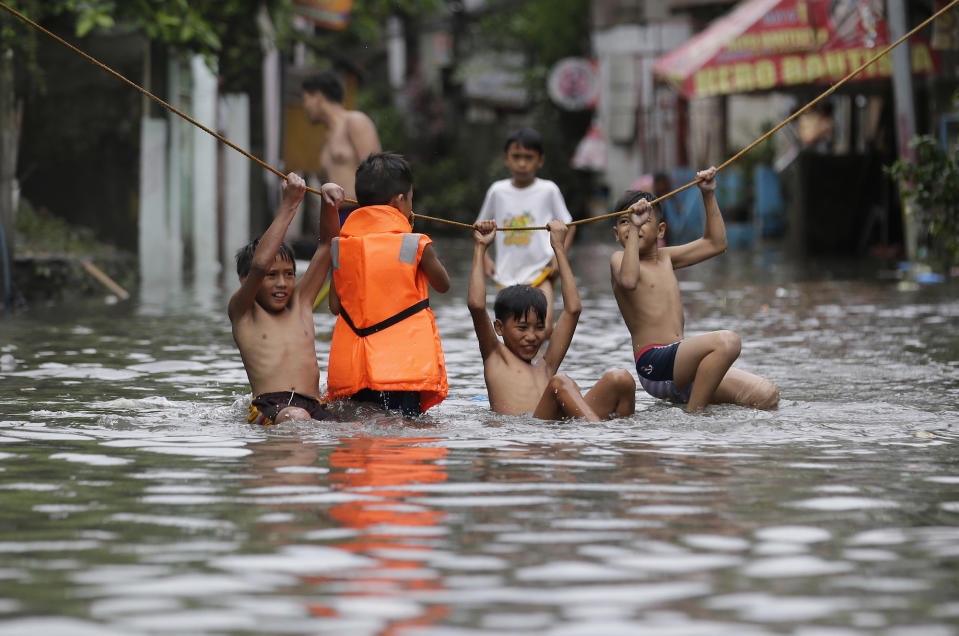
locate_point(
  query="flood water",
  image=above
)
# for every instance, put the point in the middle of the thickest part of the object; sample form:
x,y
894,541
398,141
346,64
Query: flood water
x,y
135,498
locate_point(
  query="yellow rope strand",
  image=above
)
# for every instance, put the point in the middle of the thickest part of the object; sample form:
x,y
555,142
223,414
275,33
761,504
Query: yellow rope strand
x,y
144,91
468,226
786,121
262,163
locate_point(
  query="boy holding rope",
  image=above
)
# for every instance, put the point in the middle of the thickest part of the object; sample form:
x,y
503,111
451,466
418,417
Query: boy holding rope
x,y
386,348
272,315
694,371
524,200
515,383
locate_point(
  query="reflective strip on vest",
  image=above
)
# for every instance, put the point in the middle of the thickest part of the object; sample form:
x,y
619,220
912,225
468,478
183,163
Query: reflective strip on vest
x,y
335,252
409,248
396,345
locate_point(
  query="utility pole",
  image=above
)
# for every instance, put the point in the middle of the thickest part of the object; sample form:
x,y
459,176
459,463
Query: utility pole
x,y
901,78
10,112
905,111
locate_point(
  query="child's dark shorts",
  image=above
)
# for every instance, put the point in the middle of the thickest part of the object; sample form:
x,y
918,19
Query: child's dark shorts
x,y
654,365
407,402
265,407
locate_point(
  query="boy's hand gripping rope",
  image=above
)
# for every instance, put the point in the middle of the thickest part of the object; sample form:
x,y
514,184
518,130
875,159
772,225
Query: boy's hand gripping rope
x,y
796,114
144,91
262,163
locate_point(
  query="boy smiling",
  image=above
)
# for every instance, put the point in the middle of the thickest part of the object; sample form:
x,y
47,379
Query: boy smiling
x,y
272,316
515,384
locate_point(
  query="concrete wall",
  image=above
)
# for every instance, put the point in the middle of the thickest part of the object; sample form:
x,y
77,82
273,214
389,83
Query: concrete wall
x,y
637,119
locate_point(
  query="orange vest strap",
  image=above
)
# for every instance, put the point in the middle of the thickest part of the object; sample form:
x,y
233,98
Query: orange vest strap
x,y
389,322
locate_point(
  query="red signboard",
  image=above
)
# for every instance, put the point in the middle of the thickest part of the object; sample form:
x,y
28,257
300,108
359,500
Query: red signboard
x,y
774,44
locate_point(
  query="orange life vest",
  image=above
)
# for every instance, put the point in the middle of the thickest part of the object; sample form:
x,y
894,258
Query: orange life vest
x,y
385,338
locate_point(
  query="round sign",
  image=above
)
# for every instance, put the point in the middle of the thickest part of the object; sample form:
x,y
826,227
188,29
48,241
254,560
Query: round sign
x,y
574,83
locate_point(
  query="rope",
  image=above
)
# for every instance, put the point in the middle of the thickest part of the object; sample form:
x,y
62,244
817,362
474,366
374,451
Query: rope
x,y
262,163
468,226
786,121
144,91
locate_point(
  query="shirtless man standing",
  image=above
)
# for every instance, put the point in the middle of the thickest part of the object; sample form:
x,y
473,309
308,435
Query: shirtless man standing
x,y
350,137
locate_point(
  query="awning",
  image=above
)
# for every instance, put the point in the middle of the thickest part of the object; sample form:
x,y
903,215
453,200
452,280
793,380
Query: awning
x,y
328,14
592,151
774,44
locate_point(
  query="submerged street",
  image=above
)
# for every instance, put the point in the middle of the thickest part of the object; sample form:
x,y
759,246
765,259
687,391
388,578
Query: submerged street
x,y
138,500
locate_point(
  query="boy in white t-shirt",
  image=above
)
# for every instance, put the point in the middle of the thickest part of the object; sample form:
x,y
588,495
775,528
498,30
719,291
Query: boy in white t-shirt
x,y
525,257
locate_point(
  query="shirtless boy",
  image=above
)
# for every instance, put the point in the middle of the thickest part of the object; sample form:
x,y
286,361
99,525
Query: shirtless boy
x,y
515,384
350,136
272,315
694,371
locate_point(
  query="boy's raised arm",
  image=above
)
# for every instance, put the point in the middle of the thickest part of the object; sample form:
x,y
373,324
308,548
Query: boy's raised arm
x,y
436,273
269,246
713,241
486,213
476,295
312,281
566,324
624,265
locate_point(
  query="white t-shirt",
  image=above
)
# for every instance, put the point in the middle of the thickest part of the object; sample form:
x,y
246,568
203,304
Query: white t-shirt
x,y
522,256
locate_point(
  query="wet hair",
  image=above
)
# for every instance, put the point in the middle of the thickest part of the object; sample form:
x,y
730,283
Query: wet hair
x,y
325,82
244,257
382,176
525,137
631,197
517,301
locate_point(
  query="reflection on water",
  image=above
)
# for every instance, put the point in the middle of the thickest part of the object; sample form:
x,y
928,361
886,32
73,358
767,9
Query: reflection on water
x,y
136,499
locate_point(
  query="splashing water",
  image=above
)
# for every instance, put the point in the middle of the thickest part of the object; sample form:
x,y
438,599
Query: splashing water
x,y
136,499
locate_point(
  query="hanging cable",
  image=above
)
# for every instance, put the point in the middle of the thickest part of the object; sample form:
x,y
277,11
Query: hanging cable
x,y
725,164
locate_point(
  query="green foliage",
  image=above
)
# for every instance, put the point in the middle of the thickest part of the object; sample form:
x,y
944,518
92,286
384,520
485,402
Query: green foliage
x,y
39,231
549,30
367,18
91,19
546,31
172,21
453,160
240,52
16,36
932,183
225,28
